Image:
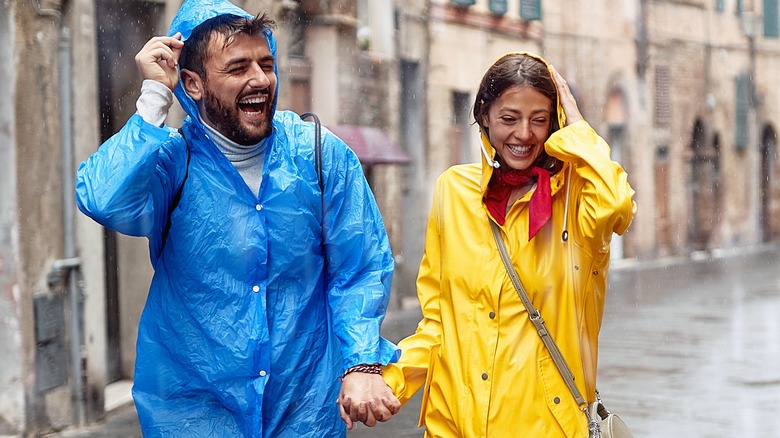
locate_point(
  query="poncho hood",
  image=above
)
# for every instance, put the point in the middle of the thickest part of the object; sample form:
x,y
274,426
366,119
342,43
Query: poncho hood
x,y
193,13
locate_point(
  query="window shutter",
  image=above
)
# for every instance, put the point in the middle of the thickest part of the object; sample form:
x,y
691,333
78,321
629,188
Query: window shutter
x,y
531,9
463,3
663,100
770,19
497,7
741,111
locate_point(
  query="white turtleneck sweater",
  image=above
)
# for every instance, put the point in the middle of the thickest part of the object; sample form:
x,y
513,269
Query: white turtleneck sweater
x,y
153,105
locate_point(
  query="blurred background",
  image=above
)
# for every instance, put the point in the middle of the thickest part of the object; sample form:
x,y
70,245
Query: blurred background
x,y
685,92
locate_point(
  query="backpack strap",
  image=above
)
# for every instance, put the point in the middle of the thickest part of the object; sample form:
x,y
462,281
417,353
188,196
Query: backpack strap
x,y
317,148
318,168
177,195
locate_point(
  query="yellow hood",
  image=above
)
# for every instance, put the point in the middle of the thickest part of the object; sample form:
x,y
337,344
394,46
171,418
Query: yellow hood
x,y
487,169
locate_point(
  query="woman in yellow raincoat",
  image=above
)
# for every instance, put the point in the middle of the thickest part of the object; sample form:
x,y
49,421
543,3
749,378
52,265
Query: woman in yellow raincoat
x,y
548,181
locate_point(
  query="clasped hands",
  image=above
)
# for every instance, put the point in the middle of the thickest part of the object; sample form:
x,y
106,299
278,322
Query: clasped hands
x,y
366,398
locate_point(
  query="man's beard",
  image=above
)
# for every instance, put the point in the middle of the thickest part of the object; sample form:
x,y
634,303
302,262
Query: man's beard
x,y
227,122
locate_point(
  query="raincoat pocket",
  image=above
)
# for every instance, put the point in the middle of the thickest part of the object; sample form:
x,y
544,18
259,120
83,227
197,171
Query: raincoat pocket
x,y
427,387
560,402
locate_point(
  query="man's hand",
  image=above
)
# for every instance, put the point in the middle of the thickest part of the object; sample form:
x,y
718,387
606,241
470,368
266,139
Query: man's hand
x,y
366,398
159,58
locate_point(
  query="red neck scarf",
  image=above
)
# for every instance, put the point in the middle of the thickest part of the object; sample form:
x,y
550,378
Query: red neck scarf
x,y
540,205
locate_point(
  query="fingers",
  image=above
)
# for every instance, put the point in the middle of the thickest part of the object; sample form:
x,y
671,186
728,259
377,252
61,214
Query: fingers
x,y
158,59
366,398
380,411
162,48
344,414
566,98
352,413
361,414
368,413
392,404
561,84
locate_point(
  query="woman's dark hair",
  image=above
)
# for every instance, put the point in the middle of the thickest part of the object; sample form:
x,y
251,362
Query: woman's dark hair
x,y
515,70
195,52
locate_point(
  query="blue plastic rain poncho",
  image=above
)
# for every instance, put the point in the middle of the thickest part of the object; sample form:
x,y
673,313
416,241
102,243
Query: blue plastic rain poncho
x,y
243,334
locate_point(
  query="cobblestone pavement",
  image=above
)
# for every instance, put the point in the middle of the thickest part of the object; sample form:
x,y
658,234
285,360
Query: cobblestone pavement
x,y
689,348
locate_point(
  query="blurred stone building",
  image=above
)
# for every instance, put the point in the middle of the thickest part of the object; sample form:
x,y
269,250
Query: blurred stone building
x,y
681,89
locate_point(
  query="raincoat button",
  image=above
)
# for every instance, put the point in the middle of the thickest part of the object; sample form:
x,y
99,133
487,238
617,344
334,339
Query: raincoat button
x,y
595,272
484,376
262,373
255,289
258,207
557,400
492,315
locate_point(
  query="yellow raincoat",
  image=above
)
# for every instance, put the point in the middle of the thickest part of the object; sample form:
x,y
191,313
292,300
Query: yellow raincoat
x,y
485,371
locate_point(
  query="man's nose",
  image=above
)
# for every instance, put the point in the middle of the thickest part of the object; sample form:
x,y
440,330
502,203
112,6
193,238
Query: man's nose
x,y
258,78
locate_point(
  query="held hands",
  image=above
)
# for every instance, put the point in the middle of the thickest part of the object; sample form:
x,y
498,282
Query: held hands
x,y
568,103
159,58
366,398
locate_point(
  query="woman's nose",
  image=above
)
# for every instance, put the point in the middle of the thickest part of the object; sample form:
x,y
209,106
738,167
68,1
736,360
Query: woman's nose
x,y
523,130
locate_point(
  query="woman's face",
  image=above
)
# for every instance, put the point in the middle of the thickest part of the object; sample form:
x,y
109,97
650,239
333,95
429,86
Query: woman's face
x,y
518,124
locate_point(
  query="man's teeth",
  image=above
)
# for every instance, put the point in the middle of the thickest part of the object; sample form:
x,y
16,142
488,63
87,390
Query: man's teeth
x,y
253,100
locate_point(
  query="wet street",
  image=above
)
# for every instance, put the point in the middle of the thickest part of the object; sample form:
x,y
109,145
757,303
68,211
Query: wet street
x,y
689,348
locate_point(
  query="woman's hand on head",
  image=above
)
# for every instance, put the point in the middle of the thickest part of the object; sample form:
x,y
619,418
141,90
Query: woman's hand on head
x,y
568,103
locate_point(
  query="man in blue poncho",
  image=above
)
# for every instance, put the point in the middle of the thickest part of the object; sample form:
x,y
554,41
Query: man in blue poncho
x,y
266,289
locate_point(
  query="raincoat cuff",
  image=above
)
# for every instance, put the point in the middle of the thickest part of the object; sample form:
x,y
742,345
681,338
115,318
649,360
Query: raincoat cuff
x,y
158,133
394,378
386,353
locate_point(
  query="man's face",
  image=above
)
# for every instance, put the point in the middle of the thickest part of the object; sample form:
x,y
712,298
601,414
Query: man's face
x,y
239,87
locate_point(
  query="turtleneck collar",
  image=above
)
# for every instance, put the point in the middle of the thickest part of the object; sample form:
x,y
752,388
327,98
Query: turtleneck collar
x,y
237,154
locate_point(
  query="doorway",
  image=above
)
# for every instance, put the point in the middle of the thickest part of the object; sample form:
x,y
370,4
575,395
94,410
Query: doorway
x,y
123,29
768,216
705,177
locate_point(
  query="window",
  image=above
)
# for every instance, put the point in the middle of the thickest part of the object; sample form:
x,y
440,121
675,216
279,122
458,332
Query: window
x,y
720,5
461,111
663,101
463,3
497,7
741,111
531,9
770,19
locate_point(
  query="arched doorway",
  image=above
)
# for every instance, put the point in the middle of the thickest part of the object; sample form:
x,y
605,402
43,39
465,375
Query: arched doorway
x,y
768,218
704,188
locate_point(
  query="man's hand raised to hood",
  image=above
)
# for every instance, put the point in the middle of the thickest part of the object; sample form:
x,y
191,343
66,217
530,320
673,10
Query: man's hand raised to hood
x,y
159,58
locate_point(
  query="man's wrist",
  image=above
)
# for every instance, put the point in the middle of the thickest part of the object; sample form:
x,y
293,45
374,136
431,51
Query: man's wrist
x,y
154,102
373,368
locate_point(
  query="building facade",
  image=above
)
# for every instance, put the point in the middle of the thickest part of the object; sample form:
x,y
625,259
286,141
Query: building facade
x,y
681,89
